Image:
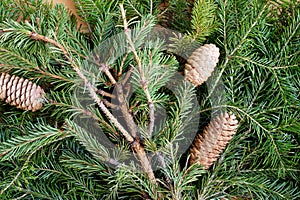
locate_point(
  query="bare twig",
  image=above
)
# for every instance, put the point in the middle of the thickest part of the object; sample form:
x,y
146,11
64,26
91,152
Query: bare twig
x,y
123,107
144,82
122,64
125,111
106,94
137,147
105,68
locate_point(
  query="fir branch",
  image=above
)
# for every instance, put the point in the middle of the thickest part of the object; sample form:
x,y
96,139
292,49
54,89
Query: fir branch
x,y
136,146
39,136
91,88
237,47
19,173
144,82
99,151
203,20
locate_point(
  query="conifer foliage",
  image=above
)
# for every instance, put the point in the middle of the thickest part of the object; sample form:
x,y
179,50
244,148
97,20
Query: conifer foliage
x,y
116,110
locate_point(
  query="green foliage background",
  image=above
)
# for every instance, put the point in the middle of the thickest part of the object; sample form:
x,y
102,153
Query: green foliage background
x,y
44,155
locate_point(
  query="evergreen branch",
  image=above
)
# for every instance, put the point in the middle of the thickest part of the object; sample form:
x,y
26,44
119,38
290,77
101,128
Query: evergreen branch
x,y
144,82
21,197
85,164
265,66
295,28
229,56
257,93
266,170
203,19
76,110
99,151
8,55
91,88
240,110
137,146
23,145
21,170
14,60
84,15
30,192
76,179
35,36
134,8
18,174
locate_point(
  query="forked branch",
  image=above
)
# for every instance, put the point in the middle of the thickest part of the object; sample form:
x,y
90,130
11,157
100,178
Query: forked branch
x,y
135,143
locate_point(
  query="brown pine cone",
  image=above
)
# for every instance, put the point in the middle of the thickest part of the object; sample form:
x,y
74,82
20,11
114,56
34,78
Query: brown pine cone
x,y
207,147
201,64
20,92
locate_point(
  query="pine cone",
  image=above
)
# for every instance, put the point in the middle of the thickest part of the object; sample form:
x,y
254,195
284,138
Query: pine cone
x,y
20,92
207,147
201,64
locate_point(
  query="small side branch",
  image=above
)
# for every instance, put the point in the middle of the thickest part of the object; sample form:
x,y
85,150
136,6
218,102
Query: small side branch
x,y
36,36
144,82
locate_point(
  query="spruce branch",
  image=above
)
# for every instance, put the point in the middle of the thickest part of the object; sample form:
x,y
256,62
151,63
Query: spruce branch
x,y
34,143
91,88
19,173
203,20
236,48
93,146
144,81
136,145
35,36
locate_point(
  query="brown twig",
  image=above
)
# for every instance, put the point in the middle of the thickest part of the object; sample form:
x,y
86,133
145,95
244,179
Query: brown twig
x,y
106,94
123,107
35,36
122,64
125,111
105,68
137,147
144,82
